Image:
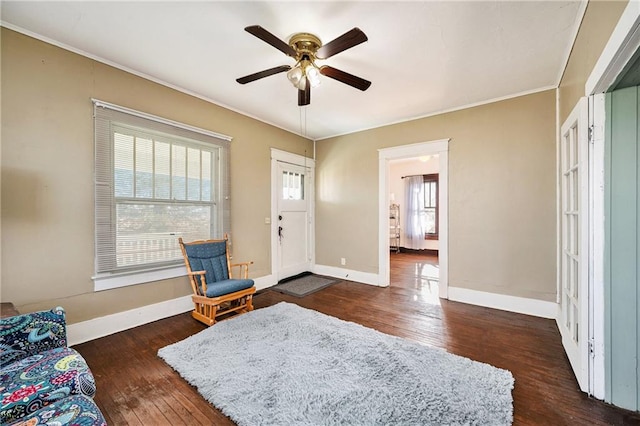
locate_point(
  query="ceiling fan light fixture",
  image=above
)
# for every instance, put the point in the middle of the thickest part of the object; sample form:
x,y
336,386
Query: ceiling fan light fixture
x,y
296,76
302,84
313,74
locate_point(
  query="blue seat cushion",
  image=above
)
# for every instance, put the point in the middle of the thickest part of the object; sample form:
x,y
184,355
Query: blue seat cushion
x,y
220,288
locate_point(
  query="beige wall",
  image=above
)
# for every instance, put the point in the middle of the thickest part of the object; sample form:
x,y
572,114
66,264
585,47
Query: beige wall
x,y
47,176
502,226
599,21
502,174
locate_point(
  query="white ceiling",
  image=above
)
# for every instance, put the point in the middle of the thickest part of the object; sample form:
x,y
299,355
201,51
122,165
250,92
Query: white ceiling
x,y
422,57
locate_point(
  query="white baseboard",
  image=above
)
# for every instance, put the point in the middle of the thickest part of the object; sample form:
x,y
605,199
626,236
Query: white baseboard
x,y
347,274
521,305
103,326
265,282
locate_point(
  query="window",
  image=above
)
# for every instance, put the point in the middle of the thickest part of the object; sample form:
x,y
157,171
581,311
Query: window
x,y
155,181
292,186
431,206
421,210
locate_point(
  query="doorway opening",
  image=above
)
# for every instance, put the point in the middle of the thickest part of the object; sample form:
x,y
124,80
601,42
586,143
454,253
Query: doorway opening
x,y
424,268
414,225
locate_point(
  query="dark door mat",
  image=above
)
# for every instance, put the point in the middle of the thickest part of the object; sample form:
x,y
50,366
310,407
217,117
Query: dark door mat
x,y
304,285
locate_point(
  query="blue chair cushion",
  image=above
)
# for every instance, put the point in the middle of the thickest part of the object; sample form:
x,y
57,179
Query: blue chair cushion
x,y
209,257
220,288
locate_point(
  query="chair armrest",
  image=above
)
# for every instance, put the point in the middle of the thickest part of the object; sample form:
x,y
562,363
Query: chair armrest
x,y
198,281
29,334
244,268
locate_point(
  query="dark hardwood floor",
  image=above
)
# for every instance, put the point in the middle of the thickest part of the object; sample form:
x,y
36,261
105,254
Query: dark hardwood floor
x,y
135,387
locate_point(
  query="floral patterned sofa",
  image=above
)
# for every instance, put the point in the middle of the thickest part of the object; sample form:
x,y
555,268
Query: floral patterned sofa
x,y
42,381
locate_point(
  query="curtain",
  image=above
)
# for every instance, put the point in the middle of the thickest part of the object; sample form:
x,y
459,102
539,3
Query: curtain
x,y
414,199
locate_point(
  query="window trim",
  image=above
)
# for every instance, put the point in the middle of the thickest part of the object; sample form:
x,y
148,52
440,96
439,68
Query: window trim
x,y
108,281
121,278
157,119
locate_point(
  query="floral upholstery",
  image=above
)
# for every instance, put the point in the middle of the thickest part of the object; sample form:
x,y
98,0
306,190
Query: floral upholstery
x,y
75,410
29,334
38,380
37,368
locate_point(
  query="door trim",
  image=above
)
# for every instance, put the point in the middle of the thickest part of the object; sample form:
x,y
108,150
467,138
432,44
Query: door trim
x,y
622,45
596,245
297,160
440,147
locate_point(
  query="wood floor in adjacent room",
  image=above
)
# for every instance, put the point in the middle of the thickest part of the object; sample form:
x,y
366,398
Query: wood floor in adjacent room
x,y
135,387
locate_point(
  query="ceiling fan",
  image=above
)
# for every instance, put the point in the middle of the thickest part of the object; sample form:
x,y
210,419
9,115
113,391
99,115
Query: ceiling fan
x,y
306,48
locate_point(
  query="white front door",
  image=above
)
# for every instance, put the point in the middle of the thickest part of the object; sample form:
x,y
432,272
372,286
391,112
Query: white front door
x,y
574,243
293,219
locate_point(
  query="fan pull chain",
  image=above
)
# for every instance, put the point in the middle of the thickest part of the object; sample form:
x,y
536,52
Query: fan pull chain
x,y
303,121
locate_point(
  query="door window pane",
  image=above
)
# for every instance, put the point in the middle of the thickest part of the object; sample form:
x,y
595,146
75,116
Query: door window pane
x,y
292,186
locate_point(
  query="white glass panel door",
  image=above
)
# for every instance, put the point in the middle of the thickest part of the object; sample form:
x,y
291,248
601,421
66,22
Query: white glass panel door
x,y
573,320
294,253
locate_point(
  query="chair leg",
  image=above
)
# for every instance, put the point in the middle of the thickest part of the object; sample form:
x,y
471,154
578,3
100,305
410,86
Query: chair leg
x,y
212,314
202,318
250,302
205,313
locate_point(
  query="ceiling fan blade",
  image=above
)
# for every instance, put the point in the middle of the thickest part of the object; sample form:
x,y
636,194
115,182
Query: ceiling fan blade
x,y
345,77
346,41
262,74
304,96
269,38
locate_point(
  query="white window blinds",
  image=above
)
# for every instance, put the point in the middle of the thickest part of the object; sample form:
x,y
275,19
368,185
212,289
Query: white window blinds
x,y
155,181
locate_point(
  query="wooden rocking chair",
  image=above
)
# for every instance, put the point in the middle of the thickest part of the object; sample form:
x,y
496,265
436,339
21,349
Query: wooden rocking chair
x,y
215,291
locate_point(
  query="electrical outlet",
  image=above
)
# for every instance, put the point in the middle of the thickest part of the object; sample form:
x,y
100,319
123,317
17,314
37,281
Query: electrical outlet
x,y
343,261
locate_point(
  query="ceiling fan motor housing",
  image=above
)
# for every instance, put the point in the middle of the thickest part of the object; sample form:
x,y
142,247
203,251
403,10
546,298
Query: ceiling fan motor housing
x,y
305,44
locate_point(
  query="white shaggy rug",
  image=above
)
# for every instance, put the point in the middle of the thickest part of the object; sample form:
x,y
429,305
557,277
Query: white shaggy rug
x,y
286,365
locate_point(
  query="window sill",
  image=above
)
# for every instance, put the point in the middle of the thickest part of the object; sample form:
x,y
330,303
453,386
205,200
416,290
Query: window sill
x,y
431,237
110,281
